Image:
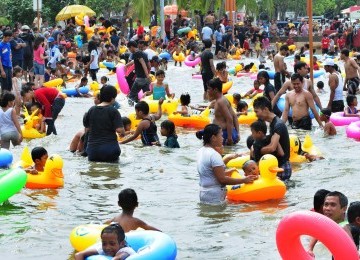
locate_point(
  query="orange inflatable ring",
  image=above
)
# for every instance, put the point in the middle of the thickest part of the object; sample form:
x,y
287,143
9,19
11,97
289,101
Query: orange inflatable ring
x,y
309,223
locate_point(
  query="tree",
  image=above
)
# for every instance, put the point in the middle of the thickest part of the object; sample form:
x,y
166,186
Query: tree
x,y
321,6
105,7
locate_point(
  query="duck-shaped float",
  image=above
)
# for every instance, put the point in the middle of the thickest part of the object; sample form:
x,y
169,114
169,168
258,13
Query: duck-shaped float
x,y
28,130
51,178
295,157
267,187
193,121
309,147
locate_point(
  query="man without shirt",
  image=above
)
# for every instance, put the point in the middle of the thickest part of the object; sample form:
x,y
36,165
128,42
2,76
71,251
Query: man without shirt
x,y
300,100
280,67
352,71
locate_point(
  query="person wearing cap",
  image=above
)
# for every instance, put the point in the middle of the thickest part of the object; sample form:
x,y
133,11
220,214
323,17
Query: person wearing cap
x,y
54,54
5,62
336,84
28,38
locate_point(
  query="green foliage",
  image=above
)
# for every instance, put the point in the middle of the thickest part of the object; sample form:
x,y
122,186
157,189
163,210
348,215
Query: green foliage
x,y
105,7
4,21
19,11
321,6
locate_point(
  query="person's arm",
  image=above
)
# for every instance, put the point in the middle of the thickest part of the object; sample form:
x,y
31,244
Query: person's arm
x,y
270,148
282,66
332,85
91,60
129,63
144,66
356,66
248,93
16,123
313,93
158,114
283,90
312,244
183,111
347,114
151,88
3,74
167,90
145,226
42,99
219,173
137,132
212,66
310,102
232,156
87,252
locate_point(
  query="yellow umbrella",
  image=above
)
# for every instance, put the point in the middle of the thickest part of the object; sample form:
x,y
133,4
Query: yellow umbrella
x,y
73,10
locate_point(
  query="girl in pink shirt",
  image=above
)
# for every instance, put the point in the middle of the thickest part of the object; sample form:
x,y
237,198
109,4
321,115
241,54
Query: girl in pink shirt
x,y
39,61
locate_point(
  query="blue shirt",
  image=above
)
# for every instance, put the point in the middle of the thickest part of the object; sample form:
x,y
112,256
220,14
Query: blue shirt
x,y
17,54
5,54
218,36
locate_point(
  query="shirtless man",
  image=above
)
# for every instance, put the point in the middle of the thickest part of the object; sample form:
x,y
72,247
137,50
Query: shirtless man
x,y
280,67
300,101
300,68
225,116
352,71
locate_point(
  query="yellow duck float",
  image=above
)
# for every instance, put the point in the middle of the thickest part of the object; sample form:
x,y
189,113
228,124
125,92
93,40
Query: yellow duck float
x,y
169,106
193,121
309,147
267,187
28,131
51,178
295,157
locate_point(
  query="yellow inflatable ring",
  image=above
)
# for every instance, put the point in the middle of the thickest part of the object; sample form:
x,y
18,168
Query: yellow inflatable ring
x,y
53,83
247,119
226,86
179,57
193,121
169,106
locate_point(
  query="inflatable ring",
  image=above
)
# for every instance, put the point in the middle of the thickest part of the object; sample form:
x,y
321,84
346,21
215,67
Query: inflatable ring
x,y
318,73
232,71
238,162
192,63
271,73
120,74
169,106
11,182
295,157
73,92
292,47
165,55
178,57
122,49
296,224
244,74
6,158
109,65
183,30
353,130
281,105
309,147
79,21
193,121
53,83
338,119
197,76
247,119
226,86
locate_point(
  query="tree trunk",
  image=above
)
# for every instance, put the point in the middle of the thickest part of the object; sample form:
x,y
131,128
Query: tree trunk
x,y
124,27
212,5
222,9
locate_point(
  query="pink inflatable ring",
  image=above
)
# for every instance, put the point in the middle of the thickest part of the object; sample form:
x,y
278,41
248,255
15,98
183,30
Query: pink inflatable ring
x,y
309,223
120,74
338,119
353,130
192,63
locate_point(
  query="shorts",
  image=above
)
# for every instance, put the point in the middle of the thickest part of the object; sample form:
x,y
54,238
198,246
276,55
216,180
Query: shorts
x,y
286,174
325,51
212,195
278,81
353,85
234,135
206,77
337,106
28,64
303,123
12,136
39,69
106,152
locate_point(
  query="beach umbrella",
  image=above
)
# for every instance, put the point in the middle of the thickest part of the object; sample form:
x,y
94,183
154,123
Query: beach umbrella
x,y
73,10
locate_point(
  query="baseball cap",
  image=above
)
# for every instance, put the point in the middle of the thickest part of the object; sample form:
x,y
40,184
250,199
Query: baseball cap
x,y
51,39
329,62
25,27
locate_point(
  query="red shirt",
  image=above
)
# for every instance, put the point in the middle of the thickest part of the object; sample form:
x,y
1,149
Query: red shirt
x,y
246,45
46,97
140,30
341,43
325,43
316,66
290,41
168,23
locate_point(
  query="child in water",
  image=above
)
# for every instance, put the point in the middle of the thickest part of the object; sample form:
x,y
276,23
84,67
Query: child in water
x,y
112,244
9,125
241,108
83,83
168,130
16,87
185,109
254,91
250,167
221,72
159,89
39,155
39,122
329,128
147,127
320,87
351,110
128,201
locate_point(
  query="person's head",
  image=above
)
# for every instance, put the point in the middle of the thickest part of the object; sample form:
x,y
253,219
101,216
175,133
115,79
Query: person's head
x,y
263,77
297,82
17,71
39,41
132,46
262,107
319,199
160,75
35,108
128,200
256,84
104,80
108,93
207,43
112,239
92,45
284,49
353,213
301,68
221,66
241,106
7,36
126,123
325,114
250,167
258,130
344,53
7,99
335,205
320,84
236,98
351,100
141,109
84,81
329,65
39,155
214,88
167,128
185,99
212,135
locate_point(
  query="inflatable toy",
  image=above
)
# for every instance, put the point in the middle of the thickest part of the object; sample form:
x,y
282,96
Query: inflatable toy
x,y
309,147
165,55
147,243
191,34
178,57
247,119
295,157
53,83
238,162
51,178
11,182
73,92
292,47
238,67
169,106
109,65
79,21
232,71
338,119
120,74
193,121
72,55
28,131
318,73
184,30
267,187
94,86
134,121
78,42
271,73
122,49
192,63
6,158
101,65
244,74
254,69
297,224
353,130
281,105
86,20
226,87
197,76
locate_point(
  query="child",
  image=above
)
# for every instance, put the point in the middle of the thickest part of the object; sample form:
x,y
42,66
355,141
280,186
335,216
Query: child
x,y
241,108
258,48
168,130
128,201
104,80
250,167
163,64
320,87
329,128
236,99
9,125
178,50
159,89
147,127
16,87
112,244
353,228
185,108
221,72
83,83
351,110
39,155
315,64
39,122
254,91
127,125
319,199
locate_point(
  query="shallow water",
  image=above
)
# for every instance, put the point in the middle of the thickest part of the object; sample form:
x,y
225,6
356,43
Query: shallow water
x,y
36,224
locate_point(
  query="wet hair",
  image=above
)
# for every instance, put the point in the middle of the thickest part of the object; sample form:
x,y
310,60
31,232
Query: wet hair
x,y
299,65
38,152
115,229
160,72
353,211
207,43
319,199
169,126
185,99
262,103
17,69
209,131
127,199
5,98
345,52
125,120
263,74
237,97
84,79
246,164
104,78
297,57
107,93
342,198
259,126
25,89
284,48
221,65
215,83
320,84
241,105
296,76
326,112
350,99
142,106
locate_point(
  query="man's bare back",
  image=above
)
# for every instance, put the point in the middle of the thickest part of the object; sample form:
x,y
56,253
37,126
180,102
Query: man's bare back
x,y
351,69
279,63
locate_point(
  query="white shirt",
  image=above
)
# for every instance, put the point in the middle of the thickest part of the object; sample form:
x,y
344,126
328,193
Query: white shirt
x,y
94,64
126,249
206,33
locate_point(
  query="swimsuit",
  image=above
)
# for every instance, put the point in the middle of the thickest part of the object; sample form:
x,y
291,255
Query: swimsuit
x,y
353,85
303,123
355,111
149,136
234,134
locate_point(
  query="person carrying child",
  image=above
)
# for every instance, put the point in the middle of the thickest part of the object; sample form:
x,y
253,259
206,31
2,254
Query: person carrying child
x,y
351,109
39,155
159,89
147,127
168,130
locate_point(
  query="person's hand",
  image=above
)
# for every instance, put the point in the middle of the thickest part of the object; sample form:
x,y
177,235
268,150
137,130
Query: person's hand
x,y
230,141
20,137
33,172
161,101
250,178
3,74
